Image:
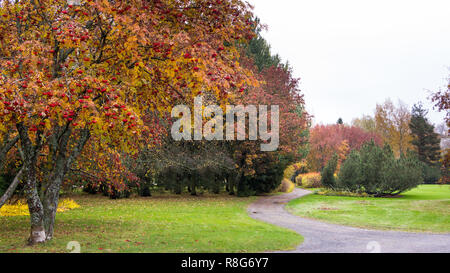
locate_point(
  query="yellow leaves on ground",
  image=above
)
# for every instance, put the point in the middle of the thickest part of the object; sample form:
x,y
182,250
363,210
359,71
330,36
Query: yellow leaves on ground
x,y
21,208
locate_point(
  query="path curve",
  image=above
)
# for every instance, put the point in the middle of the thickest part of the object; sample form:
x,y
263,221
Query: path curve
x,y
323,237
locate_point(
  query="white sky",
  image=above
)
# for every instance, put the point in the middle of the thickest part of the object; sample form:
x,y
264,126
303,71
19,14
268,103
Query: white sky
x,y
351,54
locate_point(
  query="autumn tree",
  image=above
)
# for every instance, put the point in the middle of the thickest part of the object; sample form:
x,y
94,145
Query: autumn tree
x,y
86,75
326,140
342,152
245,168
392,124
259,171
441,100
258,168
366,122
259,51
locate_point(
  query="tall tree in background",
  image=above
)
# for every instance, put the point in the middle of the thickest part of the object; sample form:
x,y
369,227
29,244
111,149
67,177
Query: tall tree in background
x,y
443,131
441,99
366,122
261,171
259,51
426,142
326,140
392,124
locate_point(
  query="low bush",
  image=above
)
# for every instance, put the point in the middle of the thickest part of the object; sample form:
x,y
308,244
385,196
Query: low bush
x,y
431,174
268,175
350,175
375,171
329,192
310,180
286,186
289,172
327,175
292,171
298,179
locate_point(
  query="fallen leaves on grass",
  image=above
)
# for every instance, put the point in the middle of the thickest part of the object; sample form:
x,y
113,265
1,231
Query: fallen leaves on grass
x,y
21,208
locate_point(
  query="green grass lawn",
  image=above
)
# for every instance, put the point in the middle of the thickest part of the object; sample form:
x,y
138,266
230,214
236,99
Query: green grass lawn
x,y
155,224
424,209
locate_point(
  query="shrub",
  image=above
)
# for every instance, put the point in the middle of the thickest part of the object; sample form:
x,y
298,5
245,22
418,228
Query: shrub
x,y
329,192
350,176
327,176
289,172
115,193
268,175
311,180
286,186
373,159
374,170
298,179
292,171
91,188
400,175
431,174
144,191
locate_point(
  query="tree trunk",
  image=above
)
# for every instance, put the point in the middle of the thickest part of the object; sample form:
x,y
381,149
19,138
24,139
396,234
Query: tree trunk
x,y
29,155
51,194
51,200
63,163
35,207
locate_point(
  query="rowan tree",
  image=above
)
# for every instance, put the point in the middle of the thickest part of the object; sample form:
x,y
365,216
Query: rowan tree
x,y
87,74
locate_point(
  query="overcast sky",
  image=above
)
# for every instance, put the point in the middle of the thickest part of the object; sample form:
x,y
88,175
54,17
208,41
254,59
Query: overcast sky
x,y
352,54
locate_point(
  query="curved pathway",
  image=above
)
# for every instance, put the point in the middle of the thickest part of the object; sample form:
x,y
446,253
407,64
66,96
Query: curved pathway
x,y
324,237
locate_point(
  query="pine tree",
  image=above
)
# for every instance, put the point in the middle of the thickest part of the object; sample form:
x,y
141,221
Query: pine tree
x,y
426,142
327,174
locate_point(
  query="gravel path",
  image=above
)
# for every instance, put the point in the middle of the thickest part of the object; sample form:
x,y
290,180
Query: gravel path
x,y
323,237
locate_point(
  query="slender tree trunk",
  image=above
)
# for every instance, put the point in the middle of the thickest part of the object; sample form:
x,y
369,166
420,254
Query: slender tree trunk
x,y
37,234
4,149
62,165
51,193
29,155
35,207
51,200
